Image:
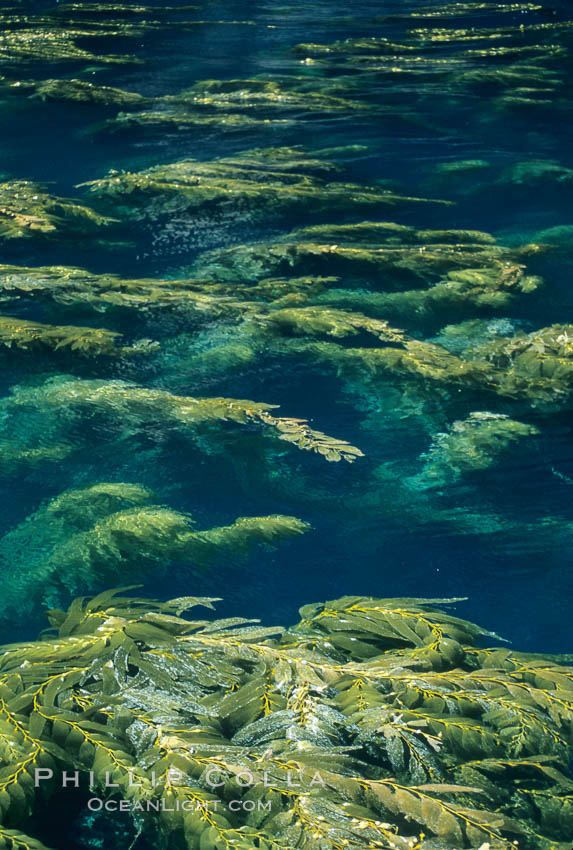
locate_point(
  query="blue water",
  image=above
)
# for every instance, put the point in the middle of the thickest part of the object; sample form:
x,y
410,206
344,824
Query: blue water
x,y
518,584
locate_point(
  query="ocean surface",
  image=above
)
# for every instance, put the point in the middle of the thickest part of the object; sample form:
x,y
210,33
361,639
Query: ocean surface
x,y
499,530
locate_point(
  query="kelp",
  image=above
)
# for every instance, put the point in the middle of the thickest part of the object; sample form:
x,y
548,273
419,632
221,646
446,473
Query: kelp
x,y
27,211
129,408
22,46
374,232
278,93
85,538
97,23
234,104
476,290
280,290
308,321
28,336
540,363
470,445
250,183
531,372
76,288
296,159
512,68
371,267
411,358
537,172
536,367
120,10
519,178
352,46
82,91
53,37
454,10
372,723
423,739
174,118
396,264
462,35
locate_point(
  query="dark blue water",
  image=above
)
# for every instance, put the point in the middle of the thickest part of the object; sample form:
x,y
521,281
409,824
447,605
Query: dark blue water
x,y
518,579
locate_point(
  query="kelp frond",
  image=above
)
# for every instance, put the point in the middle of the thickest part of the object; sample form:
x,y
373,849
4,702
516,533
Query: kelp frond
x,y
27,211
252,184
78,288
310,321
130,406
372,723
83,91
85,537
454,267
41,44
474,7
474,444
26,335
12,839
233,104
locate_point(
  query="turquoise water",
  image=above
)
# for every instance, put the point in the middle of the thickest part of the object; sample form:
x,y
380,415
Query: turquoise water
x,y
496,529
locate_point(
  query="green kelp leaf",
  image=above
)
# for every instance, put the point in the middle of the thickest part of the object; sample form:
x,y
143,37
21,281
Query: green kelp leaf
x,y
121,10
337,323
410,621
12,839
234,104
279,93
371,751
374,233
177,120
396,267
184,603
239,538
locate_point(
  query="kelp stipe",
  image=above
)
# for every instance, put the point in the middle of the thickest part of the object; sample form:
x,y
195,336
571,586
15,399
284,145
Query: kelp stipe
x,y
372,723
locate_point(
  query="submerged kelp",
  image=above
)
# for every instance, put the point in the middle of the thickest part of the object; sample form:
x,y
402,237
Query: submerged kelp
x,y
368,250
127,409
79,289
19,333
233,104
473,444
257,94
42,45
372,723
87,537
456,10
266,182
465,58
55,36
81,91
333,231
28,211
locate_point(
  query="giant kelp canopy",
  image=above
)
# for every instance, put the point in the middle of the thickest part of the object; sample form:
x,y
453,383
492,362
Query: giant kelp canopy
x,y
376,723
